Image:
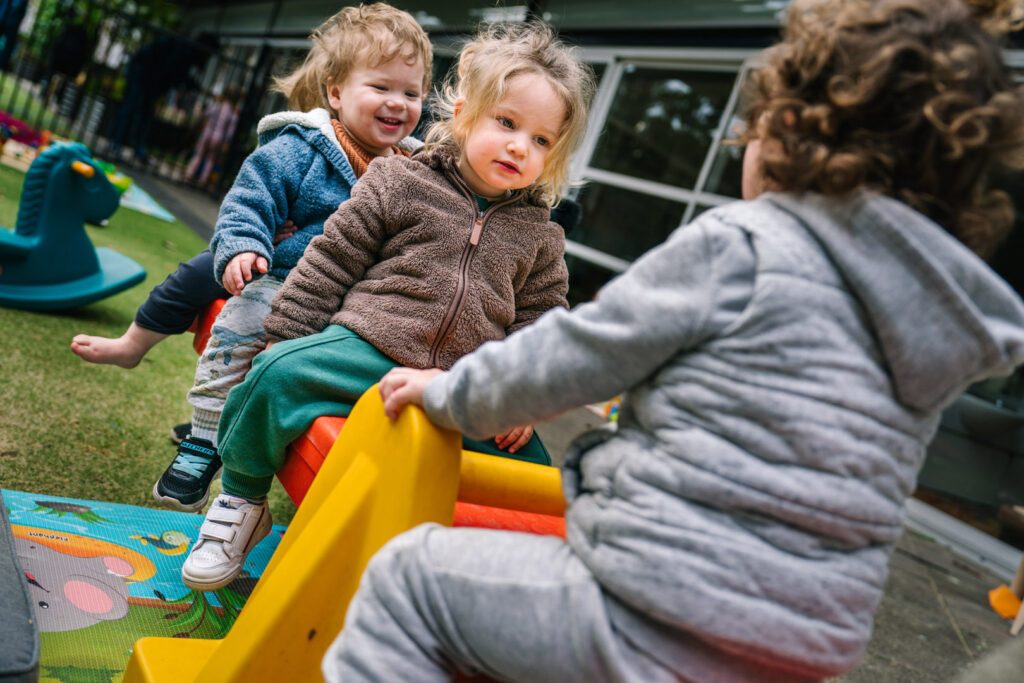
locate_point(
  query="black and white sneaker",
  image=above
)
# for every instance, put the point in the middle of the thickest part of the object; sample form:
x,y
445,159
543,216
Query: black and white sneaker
x,y
180,432
185,484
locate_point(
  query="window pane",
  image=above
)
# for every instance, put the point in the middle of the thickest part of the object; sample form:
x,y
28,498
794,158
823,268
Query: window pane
x,y
698,210
726,172
624,223
661,123
585,278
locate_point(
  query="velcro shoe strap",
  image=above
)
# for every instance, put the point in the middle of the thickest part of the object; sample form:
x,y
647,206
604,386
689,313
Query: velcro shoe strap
x,y
226,515
217,532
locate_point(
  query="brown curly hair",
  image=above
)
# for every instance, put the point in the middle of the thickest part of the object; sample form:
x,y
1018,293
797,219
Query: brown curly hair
x,y
909,98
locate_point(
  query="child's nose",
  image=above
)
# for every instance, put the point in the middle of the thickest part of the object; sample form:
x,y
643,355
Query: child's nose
x,y
516,146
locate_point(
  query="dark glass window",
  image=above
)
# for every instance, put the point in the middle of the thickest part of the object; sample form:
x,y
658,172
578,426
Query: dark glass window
x,y
624,223
661,123
698,209
585,279
726,174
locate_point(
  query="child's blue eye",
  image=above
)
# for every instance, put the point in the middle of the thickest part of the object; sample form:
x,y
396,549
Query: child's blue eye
x,y
379,87
413,95
505,121
543,142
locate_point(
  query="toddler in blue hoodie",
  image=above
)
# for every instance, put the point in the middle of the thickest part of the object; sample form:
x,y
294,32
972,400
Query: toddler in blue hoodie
x,y
357,95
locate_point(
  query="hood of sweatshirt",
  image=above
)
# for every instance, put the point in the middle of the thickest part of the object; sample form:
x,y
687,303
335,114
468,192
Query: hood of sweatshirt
x,y
917,284
272,125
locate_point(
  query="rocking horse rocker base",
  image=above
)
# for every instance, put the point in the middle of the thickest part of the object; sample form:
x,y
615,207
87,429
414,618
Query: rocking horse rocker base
x,y
116,274
48,262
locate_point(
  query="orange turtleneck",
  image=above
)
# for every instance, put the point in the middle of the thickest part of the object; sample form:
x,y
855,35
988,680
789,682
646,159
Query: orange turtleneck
x,y
357,156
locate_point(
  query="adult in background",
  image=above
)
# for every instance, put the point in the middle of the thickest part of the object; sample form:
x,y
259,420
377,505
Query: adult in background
x,y
157,67
67,57
11,14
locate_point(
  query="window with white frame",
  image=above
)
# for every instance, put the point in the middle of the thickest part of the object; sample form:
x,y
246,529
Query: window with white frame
x,y
652,158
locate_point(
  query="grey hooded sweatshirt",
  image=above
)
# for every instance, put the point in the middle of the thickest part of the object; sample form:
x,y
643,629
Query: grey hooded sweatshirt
x,y
784,363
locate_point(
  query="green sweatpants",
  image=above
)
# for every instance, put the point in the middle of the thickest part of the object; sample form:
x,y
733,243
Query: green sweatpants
x,y
292,384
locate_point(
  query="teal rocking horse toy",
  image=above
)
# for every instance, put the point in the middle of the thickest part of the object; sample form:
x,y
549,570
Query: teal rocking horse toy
x,y
48,262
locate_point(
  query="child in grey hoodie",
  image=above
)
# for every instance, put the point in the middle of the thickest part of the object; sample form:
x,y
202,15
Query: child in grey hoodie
x,y
784,360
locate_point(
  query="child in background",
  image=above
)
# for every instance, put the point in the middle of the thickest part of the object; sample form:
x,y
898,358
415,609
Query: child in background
x,y
785,361
220,119
368,69
431,257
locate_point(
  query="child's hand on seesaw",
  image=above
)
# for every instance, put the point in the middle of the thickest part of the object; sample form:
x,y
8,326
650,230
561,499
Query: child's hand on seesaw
x,y
239,271
514,440
402,386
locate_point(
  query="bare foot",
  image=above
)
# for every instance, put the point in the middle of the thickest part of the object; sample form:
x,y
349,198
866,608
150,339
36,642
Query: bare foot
x,y
125,351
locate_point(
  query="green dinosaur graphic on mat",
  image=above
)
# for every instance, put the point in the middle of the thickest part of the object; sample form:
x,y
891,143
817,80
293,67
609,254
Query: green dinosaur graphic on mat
x,y
201,612
53,507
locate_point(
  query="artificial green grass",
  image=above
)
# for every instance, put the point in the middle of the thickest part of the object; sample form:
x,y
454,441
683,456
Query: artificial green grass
x,y
75,429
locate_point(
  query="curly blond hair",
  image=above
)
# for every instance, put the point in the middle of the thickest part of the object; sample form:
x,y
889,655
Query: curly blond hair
x,y
367,34
488,63
907,97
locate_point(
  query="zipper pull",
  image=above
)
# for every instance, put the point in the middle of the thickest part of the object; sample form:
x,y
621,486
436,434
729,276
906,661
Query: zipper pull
x,y
478,227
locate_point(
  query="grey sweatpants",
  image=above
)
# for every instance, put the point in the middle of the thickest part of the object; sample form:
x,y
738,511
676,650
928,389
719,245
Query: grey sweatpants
x,y
510,605
236,337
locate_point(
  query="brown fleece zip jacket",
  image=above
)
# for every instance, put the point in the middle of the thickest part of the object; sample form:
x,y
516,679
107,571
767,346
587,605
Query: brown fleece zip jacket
x,y
413,267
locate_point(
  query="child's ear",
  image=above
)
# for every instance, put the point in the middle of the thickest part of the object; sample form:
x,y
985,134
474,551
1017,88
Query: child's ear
x,y
334,96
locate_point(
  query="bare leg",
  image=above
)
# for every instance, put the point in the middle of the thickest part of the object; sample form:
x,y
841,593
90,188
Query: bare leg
x,y
125,351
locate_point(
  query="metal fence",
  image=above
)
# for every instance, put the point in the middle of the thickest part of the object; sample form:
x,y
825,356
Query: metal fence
x,y
133,91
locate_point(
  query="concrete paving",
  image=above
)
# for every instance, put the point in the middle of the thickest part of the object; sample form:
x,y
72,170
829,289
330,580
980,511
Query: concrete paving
x,y
934,623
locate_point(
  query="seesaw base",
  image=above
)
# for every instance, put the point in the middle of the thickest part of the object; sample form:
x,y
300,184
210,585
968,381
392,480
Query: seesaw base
x,y
117,273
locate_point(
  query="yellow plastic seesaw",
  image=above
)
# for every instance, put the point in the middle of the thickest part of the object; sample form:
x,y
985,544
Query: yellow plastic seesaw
x,y
380,479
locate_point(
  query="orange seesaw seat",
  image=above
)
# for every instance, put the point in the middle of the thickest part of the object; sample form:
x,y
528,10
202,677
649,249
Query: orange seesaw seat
x,y
380,479
497,507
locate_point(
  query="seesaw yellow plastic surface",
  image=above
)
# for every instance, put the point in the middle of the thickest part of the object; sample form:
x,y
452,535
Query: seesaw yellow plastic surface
x,y
381,478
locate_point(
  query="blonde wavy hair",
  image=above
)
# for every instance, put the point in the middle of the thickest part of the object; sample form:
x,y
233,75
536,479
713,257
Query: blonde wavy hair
x,y
367,34
907,97
488,63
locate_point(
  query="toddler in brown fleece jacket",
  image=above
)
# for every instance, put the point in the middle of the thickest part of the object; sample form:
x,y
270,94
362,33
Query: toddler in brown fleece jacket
x,y
430,257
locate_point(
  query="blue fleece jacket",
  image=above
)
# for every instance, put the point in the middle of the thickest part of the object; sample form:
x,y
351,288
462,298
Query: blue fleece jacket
x,y
298,171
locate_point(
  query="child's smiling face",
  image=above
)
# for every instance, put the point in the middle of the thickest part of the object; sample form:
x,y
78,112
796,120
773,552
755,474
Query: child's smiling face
x,y
507,147
380,105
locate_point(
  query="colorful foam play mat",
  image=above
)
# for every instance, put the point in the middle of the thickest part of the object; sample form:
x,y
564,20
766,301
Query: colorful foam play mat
x,y
103,575
136,198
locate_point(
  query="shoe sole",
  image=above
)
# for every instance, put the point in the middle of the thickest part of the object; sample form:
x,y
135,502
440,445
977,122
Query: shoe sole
x,y
216,583
176,504
211,585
